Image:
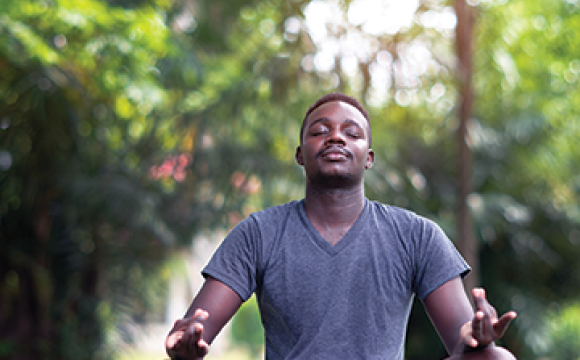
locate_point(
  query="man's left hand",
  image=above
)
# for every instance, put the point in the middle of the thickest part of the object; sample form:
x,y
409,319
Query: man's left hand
x,y
486,327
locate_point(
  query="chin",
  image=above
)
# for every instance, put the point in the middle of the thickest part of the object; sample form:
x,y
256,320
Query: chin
x,y
335,181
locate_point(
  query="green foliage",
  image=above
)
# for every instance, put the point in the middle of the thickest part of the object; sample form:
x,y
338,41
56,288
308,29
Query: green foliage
x,y
247,328
74,196
126,127
562,338
527,203
109,161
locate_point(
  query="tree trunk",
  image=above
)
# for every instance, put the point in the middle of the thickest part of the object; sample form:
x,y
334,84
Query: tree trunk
x,y
466,242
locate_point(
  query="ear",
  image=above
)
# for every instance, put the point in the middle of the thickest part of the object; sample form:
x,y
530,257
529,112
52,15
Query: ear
x,y
298,156
370,159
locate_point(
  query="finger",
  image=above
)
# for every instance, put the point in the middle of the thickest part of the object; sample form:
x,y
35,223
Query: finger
x,y
466,335
172,340
194,332
200,315
488,333
482,328
502,324
470,341
480,299
482,304
478,293
202,348
198,329
197,345
477,324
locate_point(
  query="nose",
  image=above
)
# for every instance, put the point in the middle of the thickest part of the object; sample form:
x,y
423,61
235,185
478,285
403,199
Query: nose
x,y
335,137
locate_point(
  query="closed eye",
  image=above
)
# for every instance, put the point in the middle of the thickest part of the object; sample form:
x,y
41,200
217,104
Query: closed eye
x,y
353,132
354,135
318,131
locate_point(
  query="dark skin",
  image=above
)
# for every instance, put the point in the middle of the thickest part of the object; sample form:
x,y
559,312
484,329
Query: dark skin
x,y
335,152
331,150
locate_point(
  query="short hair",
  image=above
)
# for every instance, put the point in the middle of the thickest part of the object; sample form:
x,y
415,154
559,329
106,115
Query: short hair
x,y
337,97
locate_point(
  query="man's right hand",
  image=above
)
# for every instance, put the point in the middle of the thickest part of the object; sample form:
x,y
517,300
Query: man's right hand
x,y
185,341
190,337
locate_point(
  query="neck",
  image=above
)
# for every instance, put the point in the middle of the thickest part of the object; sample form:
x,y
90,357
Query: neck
x,y
334,207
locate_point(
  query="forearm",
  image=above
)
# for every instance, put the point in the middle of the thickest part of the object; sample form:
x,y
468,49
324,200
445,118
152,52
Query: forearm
x,y
211,309
220,302
449,310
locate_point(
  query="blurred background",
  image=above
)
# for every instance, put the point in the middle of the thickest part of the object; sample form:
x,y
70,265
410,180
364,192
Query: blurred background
x,y
135,133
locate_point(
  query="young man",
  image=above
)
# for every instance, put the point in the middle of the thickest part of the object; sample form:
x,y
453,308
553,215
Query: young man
x,y
335,274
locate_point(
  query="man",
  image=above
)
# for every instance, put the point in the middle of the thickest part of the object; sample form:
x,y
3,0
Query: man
x,y
335,274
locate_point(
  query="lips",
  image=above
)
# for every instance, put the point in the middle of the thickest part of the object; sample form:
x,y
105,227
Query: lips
x,y
334,152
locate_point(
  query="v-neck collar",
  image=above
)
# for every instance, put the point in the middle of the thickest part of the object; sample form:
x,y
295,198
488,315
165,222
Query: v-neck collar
x,y
348,238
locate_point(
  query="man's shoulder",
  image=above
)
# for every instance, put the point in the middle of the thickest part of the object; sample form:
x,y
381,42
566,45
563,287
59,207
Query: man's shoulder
x,y
403,219
276,211
392,212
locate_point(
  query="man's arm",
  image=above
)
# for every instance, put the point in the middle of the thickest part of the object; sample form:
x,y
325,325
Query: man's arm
x,y
211,309
460,329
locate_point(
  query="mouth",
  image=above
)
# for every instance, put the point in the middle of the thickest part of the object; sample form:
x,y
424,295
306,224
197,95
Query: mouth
x,y
334,153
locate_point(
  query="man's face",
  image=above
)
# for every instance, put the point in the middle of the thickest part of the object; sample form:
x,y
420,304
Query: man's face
x,y
335,145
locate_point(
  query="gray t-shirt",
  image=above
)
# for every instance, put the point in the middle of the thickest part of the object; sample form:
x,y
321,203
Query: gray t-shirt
x,y
348,301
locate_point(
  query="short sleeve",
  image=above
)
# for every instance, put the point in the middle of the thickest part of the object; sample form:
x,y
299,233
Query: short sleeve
x,y
436,258
234,262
